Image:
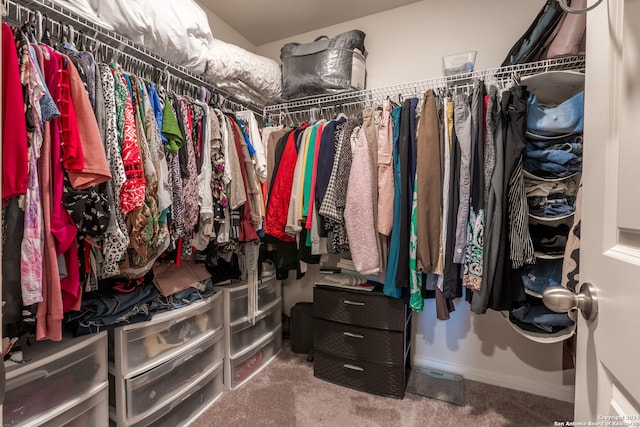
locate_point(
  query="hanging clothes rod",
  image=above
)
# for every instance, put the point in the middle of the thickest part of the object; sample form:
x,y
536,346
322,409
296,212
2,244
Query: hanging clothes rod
x,y
135,54
503,75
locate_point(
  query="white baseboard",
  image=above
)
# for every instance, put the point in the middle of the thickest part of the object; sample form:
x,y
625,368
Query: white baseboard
x,y
560,392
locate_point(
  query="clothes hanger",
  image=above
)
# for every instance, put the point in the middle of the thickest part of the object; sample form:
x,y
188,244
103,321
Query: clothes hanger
x,y
29,26
46,34
393,103
341,115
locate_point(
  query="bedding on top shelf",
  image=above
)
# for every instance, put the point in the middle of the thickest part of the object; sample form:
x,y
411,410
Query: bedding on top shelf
x,y
85,9
180,32
247,76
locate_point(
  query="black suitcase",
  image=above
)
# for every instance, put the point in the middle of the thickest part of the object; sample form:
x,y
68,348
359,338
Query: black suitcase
x,y
301,327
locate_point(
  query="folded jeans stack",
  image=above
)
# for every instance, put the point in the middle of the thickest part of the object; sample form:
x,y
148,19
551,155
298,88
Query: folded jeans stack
x,y
552,157
552,162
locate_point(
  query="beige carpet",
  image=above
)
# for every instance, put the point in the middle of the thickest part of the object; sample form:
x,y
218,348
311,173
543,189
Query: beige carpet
x,y
286,393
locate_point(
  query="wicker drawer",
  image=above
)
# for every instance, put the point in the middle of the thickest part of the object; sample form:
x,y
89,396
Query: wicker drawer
x,y
369,377
368,309
355,342
142,346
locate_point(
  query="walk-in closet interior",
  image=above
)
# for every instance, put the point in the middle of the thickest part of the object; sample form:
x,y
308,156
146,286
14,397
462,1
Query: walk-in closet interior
x,y
194,189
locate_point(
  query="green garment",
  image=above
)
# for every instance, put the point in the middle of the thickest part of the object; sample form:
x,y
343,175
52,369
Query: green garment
x,y
120,95
170,128
416,302
308,170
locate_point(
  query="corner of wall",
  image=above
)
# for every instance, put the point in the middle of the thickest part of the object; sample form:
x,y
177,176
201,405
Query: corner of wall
x,y
224,32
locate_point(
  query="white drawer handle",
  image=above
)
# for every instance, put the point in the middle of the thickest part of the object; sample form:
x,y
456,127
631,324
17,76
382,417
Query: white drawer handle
x,y
353,367
352,335
353,302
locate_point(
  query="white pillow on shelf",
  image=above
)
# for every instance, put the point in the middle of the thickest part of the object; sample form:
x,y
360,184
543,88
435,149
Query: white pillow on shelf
x,y
85,9
176,30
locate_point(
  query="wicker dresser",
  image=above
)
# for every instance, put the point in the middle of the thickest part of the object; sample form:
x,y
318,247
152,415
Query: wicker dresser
x,y
361,340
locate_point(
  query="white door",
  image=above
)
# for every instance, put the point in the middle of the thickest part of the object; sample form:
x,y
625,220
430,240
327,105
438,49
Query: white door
x,y
608,353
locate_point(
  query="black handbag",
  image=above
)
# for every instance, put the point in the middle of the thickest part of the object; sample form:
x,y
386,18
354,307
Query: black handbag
x,y
530,46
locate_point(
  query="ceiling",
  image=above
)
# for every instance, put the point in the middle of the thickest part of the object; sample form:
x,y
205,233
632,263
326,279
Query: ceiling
x,y
265,21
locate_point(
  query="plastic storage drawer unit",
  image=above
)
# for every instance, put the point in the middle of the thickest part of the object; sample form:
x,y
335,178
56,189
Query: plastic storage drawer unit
x,y
141,346
244,334
244,366
191,404
153,389
235,297
93,411
43,389
361,340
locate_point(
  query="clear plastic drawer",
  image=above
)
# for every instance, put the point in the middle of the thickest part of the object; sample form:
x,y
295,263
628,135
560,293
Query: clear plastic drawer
x,y
236,295
142,346
188,407
93,411
244,334
53,381
238,370
153,389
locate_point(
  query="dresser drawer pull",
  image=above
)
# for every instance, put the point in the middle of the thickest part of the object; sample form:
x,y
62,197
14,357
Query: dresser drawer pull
x,y
352,335
353,367
353,302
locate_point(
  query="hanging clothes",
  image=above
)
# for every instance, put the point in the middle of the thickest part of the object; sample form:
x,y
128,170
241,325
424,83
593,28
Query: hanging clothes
x,y
252,184
390,288
385,171
416,301
335,197
407,163
132,191
15,175
474,248
507,284
494,199
95,169
296,201
280,191
463,126
247,231
452,281
189,177
116,239
358,216
31,247
429,198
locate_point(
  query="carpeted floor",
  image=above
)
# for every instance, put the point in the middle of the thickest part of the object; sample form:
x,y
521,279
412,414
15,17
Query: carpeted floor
x,y
286,393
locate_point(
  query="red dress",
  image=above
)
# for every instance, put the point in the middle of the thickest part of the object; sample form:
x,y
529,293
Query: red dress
x,y
15,174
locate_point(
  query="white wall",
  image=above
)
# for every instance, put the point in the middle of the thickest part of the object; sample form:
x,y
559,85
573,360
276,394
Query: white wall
x,y
407,44
223,31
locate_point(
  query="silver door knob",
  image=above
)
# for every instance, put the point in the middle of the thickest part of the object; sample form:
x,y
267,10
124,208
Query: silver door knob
x,y
562,300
